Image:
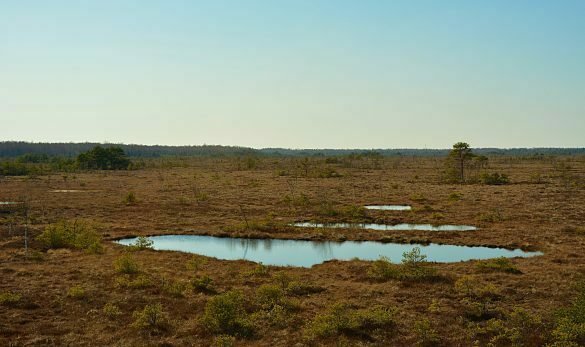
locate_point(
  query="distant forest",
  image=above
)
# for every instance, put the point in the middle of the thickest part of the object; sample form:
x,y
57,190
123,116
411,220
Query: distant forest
x,y
11,149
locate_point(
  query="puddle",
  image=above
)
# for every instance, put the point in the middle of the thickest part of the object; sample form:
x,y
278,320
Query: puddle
x,y
384,227
308,253
9,203
388,207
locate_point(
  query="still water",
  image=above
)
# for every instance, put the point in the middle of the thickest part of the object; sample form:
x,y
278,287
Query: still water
x,y
374,226
388,207
308,253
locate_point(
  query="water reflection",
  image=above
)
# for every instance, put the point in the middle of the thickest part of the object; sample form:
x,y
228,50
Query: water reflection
x,y
308,253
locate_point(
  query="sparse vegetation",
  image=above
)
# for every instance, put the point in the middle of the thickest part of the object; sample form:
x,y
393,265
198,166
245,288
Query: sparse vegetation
x,y
413,267
226,314
79,234
126,264
499,264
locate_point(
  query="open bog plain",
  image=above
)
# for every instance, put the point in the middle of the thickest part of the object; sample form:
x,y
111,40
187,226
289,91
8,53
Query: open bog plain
x,y
112,294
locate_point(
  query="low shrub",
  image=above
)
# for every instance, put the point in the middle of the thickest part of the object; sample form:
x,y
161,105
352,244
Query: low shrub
x,y
494,179
126,281
477,298
9,298
76,292
300,288
413,267
141,243
111,311
174,288
517,328
78,234
152,318
569,328
126,265
226,314
498,265
202,284
425,334
224,341
130,199
341,319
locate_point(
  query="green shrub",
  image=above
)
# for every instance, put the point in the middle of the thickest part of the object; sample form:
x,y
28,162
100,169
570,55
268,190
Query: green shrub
x,y
569,329
454,197
425,334
126,281
413,267
477,298
226,314
141,243
9,298
152,318
341,319
203,284
195,263
494,179
518,328
174,288
300,288
76,292
111,311
126,265
501,264
224,341
260,270
77,234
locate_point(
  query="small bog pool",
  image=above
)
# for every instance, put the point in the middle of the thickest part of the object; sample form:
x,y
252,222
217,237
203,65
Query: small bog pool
x,y
308,253
385,227
388,207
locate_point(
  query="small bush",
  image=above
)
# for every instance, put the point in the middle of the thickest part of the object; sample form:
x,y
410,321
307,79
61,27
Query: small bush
x,y
413,267
425,334
125,281
225,314
260,270
194,264
130,199
300,288
569,327
341,319
518,328
152,318
454,197
141,243
111,311
477,298
494,179
499,264
383,270
9,298
76,292
126,265
203,284
175,289
224,341
77,234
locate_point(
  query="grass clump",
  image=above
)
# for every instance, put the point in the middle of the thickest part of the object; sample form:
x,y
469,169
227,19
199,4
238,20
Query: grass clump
x,y
498,265
224,341
413,267
76,292
126,265
77,234
152,318
341,319
9,298
226,314
174,288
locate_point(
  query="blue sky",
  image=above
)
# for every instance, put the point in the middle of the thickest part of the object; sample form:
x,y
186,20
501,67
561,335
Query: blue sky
x,y
300,74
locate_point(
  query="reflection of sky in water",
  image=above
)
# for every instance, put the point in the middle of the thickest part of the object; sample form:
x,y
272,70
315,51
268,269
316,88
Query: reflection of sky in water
x,y
8,203
308,253
395,227
388,207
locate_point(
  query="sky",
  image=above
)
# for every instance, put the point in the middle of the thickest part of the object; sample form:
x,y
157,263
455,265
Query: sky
x,y
294,73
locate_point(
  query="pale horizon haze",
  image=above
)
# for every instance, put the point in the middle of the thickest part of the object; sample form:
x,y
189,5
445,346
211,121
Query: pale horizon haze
x,y
294,74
